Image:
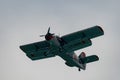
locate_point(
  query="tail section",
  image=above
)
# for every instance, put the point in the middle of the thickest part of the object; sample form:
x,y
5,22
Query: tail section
x,y
83,59
87,59
90,59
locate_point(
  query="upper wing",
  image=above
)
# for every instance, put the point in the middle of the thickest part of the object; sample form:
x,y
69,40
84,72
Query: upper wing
x,y
81,39
83,34
38,50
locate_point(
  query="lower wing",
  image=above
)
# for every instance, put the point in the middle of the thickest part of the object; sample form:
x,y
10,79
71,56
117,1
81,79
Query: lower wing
x,y
38,50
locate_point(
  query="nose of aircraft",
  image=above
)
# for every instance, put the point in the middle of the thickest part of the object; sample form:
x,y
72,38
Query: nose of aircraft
x,y
48,36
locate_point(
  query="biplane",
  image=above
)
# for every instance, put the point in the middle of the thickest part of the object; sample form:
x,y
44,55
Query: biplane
x,y
65,47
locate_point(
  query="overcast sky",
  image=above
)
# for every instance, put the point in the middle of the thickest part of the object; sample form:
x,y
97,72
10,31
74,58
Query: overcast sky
x,y
22,21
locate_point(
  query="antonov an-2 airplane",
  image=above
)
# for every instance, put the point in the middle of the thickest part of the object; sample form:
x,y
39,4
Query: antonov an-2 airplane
x,y
64,47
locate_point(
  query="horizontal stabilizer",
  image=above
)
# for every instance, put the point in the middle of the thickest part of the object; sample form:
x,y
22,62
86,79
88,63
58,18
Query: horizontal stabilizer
x,y
91,58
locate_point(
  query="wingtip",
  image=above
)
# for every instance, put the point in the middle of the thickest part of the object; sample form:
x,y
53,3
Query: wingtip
x,y
100,29
20,47
97,58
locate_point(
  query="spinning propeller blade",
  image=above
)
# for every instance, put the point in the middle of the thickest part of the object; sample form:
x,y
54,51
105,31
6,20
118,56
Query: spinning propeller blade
x,y
48,30
42,35
48,33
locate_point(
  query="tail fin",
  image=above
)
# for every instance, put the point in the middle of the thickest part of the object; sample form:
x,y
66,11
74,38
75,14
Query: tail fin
x,y
81,61
84,60
82,55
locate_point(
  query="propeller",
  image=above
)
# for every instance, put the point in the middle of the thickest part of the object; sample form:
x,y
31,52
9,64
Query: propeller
x,y
42,35
48,34
48,30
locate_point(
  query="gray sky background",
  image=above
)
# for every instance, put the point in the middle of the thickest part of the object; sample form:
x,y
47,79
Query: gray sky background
x,y
22,21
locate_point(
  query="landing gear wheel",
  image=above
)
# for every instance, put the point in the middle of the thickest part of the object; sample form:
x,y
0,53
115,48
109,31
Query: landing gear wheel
x,y
79,69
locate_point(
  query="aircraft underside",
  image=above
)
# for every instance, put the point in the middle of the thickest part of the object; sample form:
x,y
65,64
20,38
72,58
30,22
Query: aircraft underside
x,y
64,47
